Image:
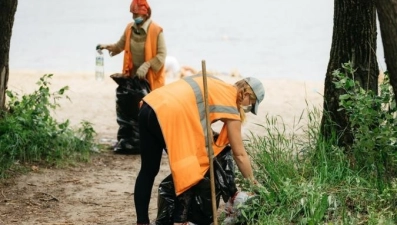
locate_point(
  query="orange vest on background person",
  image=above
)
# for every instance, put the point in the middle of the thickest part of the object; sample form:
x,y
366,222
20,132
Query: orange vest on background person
x,y
156,80
184,127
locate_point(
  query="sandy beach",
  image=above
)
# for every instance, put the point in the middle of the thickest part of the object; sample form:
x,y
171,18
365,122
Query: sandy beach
x,y
94,101
101,192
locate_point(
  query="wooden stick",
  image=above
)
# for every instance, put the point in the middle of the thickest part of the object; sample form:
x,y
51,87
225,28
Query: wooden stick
x,y
209,144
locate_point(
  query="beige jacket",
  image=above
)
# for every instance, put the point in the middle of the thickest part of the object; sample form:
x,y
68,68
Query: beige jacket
x,y
137,47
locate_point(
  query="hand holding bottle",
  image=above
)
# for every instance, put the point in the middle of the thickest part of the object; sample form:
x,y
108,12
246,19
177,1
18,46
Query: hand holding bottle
x,y
110,48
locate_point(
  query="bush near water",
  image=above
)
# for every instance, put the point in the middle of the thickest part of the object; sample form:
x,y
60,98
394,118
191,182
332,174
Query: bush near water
x,y
29,135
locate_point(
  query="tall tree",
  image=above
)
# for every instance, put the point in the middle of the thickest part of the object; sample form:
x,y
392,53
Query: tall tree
x,y
7,13
387,13
354,39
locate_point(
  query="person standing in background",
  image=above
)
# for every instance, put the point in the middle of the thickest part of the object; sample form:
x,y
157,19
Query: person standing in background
x,y
144,57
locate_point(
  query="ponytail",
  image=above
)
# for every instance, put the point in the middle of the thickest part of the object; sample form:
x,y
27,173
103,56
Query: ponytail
x,y
243,88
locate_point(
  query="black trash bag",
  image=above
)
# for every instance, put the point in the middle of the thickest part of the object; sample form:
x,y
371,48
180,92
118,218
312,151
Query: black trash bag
x,y
199,196
166,202
225,187
129,93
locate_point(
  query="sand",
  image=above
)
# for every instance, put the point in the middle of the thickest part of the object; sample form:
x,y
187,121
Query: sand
x,y
94,101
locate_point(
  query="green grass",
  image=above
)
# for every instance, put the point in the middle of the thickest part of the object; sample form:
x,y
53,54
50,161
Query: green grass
x,y
310,180
29,134
315,186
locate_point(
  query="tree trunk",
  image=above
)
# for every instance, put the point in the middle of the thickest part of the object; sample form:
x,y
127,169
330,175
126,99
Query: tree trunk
x,y
7,12
354,39
387,13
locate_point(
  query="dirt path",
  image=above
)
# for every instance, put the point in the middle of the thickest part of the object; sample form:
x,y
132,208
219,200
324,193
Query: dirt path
x,y
100,192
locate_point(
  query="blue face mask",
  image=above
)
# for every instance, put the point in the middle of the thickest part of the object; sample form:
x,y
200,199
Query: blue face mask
x,y
138,20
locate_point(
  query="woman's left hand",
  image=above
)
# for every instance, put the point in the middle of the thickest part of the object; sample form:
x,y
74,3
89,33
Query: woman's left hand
x,y
142,70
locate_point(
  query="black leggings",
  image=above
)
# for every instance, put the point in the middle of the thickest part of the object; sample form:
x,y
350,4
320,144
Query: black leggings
x,y
152,144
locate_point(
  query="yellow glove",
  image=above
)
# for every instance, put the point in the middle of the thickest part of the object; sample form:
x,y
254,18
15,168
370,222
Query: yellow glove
x,y
142,70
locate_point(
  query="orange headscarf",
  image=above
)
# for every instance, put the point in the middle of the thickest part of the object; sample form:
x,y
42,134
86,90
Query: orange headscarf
x,y
139,7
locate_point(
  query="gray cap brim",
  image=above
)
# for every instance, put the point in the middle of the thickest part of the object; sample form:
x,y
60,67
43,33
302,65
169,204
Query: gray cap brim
x,y
255,107
259,91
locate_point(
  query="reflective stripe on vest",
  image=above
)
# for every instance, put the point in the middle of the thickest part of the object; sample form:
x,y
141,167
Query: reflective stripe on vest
x,y
201,105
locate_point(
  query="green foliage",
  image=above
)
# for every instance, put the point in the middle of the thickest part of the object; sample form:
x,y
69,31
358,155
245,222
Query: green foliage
x,y
307,179
28,132
373,121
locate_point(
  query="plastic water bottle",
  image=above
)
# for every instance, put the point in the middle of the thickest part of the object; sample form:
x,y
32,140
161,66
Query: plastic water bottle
x,y
99,65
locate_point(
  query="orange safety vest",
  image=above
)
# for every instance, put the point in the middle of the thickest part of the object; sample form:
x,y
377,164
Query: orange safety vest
x,y
156,80
180,110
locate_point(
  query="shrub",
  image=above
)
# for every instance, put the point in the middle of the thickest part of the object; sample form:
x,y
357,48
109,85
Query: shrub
x,y
28,132
307,179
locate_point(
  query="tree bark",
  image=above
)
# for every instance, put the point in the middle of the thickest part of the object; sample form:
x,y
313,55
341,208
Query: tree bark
x,y
7,13
387,13
354,39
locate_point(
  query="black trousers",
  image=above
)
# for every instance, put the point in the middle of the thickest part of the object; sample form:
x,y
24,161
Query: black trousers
x,y
152,145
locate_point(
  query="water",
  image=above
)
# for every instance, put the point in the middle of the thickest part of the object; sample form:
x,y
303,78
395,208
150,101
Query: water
x,y
99,66
269,39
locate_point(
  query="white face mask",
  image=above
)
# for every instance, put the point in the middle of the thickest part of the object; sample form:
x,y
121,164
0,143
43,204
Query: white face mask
x,y
246,108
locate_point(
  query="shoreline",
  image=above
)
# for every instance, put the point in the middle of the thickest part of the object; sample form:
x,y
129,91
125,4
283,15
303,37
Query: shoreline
x,y
94,101
226,74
